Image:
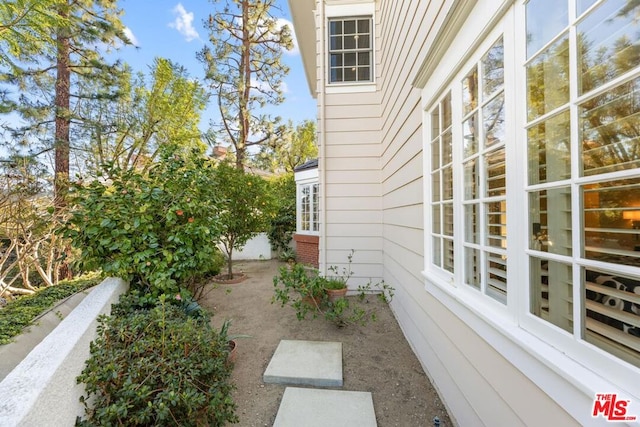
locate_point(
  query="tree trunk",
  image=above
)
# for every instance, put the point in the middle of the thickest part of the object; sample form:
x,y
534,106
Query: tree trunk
x,y
62,124
230,264
245,77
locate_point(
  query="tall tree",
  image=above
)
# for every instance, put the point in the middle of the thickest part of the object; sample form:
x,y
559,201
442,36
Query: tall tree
x,y
295,147
46,81
149,115
244,68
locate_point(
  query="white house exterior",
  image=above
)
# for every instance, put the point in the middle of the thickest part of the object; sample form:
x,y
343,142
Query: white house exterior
x,y
483,158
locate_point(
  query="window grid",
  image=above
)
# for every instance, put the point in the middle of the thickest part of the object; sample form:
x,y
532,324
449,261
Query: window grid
x,y
583,156
442,210
350,50
484,170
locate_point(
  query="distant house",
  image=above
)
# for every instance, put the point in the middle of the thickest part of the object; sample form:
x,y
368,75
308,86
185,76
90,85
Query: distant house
x,y
483,157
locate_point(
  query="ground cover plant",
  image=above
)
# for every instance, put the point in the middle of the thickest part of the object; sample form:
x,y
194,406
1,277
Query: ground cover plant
x,y
157,364
21,312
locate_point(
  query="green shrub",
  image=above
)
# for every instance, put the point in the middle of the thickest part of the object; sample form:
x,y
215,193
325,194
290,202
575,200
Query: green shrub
x,y
21,312
282,225
158,227
157,366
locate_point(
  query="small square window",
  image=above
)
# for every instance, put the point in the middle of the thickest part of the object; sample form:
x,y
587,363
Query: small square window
x,y
350,50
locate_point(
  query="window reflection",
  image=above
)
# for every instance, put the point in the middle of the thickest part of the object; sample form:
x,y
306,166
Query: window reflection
x,y
545,19
548,79
550,149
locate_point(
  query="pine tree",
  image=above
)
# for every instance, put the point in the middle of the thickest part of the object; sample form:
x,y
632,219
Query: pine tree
x,y
245,71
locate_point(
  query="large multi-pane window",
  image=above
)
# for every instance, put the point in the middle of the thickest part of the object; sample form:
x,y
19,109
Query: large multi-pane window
x,y
540,132
583,130
309,220
350,50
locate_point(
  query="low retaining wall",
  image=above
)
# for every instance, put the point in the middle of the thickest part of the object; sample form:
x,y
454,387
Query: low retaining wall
x,y
42,389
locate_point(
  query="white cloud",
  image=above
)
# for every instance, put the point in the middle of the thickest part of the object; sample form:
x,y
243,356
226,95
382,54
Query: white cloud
x,y
132,38
184,23
281,22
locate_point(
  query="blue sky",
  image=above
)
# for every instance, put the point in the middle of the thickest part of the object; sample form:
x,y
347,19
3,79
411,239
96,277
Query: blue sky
x,y
174,30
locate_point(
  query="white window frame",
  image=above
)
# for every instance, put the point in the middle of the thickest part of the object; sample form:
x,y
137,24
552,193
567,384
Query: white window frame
x,y
528,342
345,11
308,179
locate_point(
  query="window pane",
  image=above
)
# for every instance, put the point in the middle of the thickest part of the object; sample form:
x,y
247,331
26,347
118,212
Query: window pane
x,y
470,135
335,43
447,183
350,74
496,227
436,219
435,124
437,251
608,42
350,42
493,122
471,180
447,148
613,313
549,145
336,59
610,130
363,25
470,91
447,210
435,185
363,41
496,183
493,69
349,59
336,74
548,79
584,5
550,220
363,58
472,267
552,292
446,111
497,276
350,27
448,255
545,19
611,232
471,223
364,74
335,27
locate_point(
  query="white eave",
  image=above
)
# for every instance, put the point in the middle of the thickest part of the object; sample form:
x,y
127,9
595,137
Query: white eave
x,y
303,17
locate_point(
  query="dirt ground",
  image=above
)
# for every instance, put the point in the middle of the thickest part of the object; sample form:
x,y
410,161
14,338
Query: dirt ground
x,y
376,357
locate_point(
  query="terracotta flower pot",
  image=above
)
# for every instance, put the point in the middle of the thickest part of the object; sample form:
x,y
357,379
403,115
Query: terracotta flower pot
x,y
335,294
233,347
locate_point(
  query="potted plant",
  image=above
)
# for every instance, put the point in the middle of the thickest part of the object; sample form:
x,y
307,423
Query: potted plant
x,y
335,289
301,287
231,340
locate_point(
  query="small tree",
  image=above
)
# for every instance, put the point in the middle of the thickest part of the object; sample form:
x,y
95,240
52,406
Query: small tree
x,y
282,223
244,208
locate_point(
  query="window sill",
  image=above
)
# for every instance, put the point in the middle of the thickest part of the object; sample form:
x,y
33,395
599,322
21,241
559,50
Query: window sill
x,y
562,378
350,87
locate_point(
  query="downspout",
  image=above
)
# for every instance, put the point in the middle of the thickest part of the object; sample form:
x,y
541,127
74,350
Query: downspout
x,y
322,138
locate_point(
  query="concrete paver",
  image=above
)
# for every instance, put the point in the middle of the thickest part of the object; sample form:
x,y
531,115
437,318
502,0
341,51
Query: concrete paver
x,y
322,408
313,363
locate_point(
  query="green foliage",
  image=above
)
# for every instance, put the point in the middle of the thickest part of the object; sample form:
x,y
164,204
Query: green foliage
x,y
294,147
21,312
305,290
158,227
157,366
282,224
244,206
150,113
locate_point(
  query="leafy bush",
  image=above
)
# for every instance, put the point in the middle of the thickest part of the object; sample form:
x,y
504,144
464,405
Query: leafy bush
x,y
157,366
282,225
159,228
21,312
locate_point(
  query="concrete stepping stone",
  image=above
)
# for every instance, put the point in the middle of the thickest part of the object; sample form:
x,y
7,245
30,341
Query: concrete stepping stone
x,y
322,408
314,363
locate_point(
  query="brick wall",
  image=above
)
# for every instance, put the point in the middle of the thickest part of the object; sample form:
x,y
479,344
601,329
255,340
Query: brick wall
x,y
307,249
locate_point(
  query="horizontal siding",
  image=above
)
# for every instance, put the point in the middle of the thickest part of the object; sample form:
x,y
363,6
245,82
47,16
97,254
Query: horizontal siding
x,y
352,203
347,152
362,163
350,139
343,111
